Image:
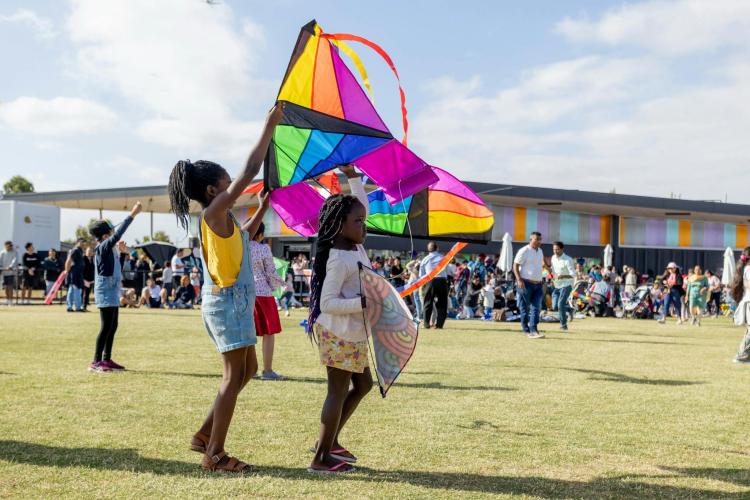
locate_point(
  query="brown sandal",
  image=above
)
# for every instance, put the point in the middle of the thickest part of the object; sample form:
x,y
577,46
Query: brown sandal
x,y
231,465
199,442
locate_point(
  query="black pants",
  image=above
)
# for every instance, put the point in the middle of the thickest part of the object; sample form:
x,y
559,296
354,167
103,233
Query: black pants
x,y
436,296
87,296
716,300
108,317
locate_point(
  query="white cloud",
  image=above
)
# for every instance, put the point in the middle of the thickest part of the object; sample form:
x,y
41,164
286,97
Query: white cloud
x,y
596,127
186,64
55,118
41,25
667,27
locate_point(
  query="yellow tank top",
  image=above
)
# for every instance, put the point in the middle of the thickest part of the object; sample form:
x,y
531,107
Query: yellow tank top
x,y
223,255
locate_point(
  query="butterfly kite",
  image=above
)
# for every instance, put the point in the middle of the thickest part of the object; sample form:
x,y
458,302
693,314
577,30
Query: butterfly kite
x,y
330,121
391,330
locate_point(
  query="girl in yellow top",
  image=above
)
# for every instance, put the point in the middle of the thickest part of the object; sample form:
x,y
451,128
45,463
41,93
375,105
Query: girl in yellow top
x,y
228,294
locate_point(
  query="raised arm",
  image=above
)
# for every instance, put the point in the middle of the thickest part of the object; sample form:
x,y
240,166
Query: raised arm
x,y
355,186
226,199
110,242
252,224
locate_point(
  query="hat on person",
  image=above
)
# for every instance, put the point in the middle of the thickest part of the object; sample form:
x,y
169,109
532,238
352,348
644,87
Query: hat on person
x,y
672,265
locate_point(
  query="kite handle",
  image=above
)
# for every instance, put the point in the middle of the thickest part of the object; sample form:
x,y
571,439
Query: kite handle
x,y
382,53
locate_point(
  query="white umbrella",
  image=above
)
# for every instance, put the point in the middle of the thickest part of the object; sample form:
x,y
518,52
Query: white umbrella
x,y
608,252
505,263
727,275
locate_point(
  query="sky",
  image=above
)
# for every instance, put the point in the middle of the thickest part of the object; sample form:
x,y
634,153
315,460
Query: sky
x,y
649,97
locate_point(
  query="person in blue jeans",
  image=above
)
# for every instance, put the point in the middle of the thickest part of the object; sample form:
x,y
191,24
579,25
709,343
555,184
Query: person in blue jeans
x,y
74,266
673,293
564,271
528,270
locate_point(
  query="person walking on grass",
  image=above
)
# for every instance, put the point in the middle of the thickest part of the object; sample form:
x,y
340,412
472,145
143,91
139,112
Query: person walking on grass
x,y
107,284
74,266
697,292
741,295
714,294
564,271
527,268
436,290
336,319
673,293
266,315
228,292
8,266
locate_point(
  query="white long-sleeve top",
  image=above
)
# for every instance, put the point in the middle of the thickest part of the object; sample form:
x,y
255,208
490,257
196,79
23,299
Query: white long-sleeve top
x,y
340,301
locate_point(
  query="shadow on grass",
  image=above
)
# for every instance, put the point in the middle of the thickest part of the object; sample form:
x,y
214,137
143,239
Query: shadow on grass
x,y
619,377
621,341
426,385
176,374
129,460
477,425
740,477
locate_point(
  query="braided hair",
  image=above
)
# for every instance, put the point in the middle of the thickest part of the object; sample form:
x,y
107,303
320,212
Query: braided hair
x,y
331,220
738,287
188,181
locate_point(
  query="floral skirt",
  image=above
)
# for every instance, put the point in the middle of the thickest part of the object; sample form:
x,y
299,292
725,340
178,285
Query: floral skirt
x,y
339,353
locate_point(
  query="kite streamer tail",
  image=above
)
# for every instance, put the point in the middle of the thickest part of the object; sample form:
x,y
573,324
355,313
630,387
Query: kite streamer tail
x,y
382,53
441,265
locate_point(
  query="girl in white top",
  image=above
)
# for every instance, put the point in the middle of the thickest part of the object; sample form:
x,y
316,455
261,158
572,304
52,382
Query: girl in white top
x,y
337,321
741,295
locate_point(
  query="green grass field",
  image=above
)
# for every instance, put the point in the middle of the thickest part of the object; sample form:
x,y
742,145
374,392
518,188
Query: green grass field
x,y
615,408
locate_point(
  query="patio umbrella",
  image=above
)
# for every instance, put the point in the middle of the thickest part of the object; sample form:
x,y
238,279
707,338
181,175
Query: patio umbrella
x,y
505,263
727,275
608,252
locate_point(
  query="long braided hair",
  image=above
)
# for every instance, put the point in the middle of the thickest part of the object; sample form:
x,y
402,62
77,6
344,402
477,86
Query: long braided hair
x,y
738,287
188,181
331,219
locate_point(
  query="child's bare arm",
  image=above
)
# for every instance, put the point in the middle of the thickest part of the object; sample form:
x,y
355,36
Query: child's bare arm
x,y
226,199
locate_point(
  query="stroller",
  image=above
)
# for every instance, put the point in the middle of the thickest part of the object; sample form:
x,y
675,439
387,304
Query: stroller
x,y
639,305
577,300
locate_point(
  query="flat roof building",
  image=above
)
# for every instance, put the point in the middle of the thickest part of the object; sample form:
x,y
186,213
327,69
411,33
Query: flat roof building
x,y
645,232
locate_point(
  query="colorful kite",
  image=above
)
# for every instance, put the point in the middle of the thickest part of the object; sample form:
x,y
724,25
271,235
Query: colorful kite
x,y
329,121
390,328
447,209
281,267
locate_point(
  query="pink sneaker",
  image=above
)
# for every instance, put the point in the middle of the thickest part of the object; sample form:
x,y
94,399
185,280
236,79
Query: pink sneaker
x,y
114,366
99,367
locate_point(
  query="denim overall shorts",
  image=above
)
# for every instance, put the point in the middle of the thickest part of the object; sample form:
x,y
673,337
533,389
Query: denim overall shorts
x,y
228,312
107,288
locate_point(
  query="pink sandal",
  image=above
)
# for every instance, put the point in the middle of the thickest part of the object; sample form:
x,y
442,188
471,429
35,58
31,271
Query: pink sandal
x,y
339,454
339,468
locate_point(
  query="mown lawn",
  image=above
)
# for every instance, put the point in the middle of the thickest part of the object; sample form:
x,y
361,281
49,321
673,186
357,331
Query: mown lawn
x,y
615,408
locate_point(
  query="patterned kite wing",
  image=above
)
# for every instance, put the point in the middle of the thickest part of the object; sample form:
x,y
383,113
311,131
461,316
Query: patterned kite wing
x,y
329,121
447,209
391,329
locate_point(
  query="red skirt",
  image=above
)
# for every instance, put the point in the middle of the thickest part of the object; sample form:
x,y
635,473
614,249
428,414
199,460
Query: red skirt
x,y
266,316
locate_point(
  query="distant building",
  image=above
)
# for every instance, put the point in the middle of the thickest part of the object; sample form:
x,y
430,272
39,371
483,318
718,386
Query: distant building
x,y
645,232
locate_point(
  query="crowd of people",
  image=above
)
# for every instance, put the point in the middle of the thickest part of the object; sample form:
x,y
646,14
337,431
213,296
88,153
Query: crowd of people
x,y
234,280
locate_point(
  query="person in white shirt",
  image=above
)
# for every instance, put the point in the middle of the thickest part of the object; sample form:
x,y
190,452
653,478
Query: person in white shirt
x,y
152,295
8,266
527,268
714,297
178,267
564,271
337,321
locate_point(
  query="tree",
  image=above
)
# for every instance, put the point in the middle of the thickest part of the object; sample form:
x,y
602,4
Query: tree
x,y
158,236
18,184
83,232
